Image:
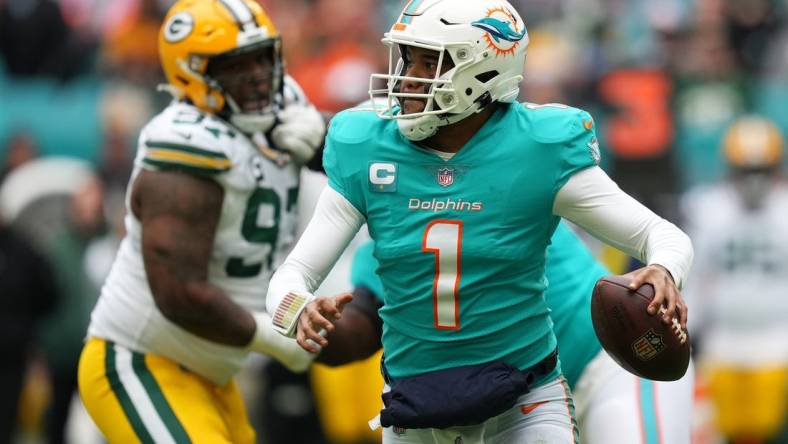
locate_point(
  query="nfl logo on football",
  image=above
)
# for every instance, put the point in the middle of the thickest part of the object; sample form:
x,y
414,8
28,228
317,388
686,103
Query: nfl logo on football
x,y
648,345
445,176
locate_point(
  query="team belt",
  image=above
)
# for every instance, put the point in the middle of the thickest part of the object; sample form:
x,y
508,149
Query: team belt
x,y
545,366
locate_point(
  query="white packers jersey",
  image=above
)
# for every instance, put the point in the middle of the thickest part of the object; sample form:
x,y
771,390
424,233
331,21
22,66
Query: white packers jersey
x,y
737,292
255,231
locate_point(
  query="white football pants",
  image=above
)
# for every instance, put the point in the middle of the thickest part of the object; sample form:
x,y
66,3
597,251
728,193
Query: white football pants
x,y
616,407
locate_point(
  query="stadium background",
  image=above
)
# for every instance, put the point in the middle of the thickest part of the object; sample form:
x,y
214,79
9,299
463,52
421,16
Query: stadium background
x,y
78,79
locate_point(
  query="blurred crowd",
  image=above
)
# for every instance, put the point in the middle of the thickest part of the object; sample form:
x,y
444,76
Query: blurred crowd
x,y
664,81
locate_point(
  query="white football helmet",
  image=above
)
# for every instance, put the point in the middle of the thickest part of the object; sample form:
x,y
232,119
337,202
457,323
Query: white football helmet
x,y
486,40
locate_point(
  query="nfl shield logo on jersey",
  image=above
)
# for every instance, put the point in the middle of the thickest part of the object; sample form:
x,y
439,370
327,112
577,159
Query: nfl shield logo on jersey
x,y
445,176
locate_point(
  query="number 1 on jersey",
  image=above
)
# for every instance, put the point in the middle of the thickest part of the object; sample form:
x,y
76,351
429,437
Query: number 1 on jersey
x,y
443,238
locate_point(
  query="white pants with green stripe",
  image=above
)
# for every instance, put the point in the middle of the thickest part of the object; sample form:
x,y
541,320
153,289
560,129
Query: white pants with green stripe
x,y
616,407
543,416
143,398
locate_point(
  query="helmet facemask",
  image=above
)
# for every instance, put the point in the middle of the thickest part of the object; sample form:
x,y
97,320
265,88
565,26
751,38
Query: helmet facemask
x,y
753,185
250,80
442,104
485,40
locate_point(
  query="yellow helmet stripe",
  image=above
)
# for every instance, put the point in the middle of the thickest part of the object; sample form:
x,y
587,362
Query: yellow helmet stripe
x,y
241,12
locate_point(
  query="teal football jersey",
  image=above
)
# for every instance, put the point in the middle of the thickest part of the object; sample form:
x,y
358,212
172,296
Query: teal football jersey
x,y
461,243
364,270
571,272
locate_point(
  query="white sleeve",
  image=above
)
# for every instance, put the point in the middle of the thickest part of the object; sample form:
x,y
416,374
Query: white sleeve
x,y
330,230
593,201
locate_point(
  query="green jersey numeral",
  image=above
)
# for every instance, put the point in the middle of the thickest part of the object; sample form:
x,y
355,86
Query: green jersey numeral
x,y
260,226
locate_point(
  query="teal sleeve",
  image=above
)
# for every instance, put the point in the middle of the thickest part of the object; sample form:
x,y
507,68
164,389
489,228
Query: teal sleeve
x,y
363,272
340,164
581,147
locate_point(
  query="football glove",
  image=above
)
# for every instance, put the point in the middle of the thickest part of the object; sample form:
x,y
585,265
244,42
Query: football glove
x,y
299,132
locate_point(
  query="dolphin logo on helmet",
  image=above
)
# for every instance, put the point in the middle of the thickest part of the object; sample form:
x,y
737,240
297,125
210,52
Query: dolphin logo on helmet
x,y
499,29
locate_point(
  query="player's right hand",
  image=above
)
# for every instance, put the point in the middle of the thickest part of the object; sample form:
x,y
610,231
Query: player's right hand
x,y
665,292
318,315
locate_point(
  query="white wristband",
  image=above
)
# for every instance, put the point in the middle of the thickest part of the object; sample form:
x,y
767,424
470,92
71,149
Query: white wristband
x,y
285,318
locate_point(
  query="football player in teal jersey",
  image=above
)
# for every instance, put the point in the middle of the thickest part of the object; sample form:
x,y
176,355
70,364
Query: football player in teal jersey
x,y
613,405
462,187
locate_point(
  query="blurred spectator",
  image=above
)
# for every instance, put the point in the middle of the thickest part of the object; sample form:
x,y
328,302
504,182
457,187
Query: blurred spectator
x,y
27,293
35,196
751,26
740,282
338,77
131,49
35,41
552,67
57,203
711,89
116,160
331,49
97,17
20,149
63,331
125,108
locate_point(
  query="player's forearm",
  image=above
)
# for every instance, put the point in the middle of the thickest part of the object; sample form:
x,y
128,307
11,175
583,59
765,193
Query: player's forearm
x,y
355,338
204,310
208,313
594,202
357,335
331,229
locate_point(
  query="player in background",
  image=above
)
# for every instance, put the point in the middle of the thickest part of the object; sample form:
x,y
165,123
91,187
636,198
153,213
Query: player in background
x,y
210,214
741,283
462,187
613,406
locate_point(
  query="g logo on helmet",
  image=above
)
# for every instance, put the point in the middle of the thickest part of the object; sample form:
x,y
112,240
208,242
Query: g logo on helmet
x,y
502,31
178,27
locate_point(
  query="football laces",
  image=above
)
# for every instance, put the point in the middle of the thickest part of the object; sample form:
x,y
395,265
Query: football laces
x,y
676,327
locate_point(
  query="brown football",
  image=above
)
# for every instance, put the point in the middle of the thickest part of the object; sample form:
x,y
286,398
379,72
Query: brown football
x,y
640,343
